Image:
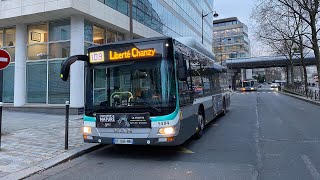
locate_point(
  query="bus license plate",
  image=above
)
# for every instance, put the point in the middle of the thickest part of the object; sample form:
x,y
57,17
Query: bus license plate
x,y
122,141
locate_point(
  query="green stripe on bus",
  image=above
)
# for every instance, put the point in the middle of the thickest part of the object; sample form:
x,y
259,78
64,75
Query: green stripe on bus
x,y
154,119
88,118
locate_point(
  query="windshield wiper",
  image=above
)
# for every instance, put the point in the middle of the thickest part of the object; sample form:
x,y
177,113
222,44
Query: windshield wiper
x,y
145,103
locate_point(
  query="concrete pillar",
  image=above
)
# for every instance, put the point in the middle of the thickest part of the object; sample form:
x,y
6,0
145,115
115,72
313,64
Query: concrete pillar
x,y
77,68
248,73
20,65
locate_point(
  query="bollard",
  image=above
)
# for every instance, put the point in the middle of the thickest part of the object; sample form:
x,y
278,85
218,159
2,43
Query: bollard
x,y
0,122
66,134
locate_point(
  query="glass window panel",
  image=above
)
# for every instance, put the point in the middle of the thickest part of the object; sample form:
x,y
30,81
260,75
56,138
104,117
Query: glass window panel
x,y
123,6
86,46
11,51
120,37
36,52
112,3
10,37
36,82
37,33
59,91
98,35
59,50
59,30
88,32
111,36
99,78
8,84
1,38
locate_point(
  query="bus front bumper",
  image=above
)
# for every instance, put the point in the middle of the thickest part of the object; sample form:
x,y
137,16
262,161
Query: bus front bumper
x,y
167,141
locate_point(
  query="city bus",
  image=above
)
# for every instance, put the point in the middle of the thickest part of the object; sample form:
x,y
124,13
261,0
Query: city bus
x,y
150,91
249,85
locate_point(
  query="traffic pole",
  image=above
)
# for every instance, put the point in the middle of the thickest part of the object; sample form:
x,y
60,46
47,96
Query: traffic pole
x,y
66,137
0,123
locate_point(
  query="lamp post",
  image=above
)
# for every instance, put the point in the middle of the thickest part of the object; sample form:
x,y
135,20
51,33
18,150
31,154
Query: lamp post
x,y
203,16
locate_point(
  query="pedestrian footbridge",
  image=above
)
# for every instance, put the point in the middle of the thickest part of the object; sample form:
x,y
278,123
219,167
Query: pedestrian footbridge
x,y
267,61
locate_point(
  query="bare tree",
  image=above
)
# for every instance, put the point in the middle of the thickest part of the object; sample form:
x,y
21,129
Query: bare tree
x,y
275,28
284,30
310,15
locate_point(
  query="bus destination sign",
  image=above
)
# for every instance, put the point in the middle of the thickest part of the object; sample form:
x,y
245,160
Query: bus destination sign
x,y
113,55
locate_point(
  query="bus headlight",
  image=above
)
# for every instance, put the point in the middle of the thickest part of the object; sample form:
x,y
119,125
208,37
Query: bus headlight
x,y
87,130
167,130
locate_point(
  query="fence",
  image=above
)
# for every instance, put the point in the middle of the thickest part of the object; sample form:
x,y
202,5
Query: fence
x,y
310,93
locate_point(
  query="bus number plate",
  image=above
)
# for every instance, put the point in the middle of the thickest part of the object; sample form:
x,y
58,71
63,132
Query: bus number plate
x,y
163,123
122,141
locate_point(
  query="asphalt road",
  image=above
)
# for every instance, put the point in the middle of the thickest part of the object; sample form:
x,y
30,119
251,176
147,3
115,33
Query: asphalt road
x,y
265,135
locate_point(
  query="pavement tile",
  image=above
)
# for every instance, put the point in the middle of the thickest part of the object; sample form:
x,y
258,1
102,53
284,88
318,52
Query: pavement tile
x,y
31,139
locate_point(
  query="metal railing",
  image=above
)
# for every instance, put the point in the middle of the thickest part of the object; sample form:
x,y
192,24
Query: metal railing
x,y
310,93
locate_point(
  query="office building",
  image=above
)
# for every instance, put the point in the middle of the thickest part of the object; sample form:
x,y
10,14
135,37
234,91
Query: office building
x,y
39,34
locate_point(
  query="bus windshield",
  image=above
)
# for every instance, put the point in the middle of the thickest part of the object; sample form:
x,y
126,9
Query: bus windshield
x,y
135,86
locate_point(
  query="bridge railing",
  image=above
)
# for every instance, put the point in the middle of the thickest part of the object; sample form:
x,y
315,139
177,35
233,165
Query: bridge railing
x,y
306,92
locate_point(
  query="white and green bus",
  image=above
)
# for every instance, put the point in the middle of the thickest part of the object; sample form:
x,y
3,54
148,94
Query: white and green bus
x,y
151,91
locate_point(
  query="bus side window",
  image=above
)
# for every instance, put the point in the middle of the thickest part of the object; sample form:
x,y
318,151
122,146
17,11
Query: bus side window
x,y
185,89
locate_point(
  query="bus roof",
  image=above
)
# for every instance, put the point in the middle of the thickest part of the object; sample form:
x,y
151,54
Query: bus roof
x,y
132,41
195,45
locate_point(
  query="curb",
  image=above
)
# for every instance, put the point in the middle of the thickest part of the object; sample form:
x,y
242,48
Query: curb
x,y
66,156
301,98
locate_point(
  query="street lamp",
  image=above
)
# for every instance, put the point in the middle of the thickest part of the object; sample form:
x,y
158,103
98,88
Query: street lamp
x,y
203,16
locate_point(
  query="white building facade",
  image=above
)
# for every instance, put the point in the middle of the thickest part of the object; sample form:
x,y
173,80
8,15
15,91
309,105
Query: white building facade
x,y
39,34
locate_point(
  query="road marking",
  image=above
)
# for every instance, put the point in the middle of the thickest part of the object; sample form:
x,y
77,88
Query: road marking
x,y
311,167
185,150
257,140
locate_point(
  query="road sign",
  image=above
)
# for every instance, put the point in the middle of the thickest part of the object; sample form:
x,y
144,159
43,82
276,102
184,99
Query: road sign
x,y
4,59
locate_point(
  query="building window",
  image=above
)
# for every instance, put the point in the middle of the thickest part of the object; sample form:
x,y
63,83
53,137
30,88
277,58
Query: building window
x,y
111,37
98,35
37,51
37,82
37,33
59,30
58,91
59,50
8,84
50,43
10,37
8,41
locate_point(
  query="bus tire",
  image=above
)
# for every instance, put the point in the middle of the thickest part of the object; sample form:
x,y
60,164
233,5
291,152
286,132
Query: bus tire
x,y
201,124
224,107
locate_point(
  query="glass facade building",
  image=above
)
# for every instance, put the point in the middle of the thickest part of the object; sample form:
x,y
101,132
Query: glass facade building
x,y
230,39
173,18
39,41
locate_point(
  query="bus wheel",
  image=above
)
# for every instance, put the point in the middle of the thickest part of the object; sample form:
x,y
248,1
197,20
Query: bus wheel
x,y
199,132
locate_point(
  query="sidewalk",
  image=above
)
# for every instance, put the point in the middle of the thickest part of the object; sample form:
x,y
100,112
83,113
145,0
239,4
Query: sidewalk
x,y
303,98
29,139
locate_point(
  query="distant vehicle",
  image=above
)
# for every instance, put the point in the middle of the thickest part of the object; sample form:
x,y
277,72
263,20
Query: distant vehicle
x,y
275,85
249,85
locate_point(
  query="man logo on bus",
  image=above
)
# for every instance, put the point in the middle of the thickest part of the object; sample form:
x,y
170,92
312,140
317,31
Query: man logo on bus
x,y
123,121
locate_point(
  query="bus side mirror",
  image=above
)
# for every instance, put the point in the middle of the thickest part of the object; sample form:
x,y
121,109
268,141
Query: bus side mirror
x,y
182,67
65,65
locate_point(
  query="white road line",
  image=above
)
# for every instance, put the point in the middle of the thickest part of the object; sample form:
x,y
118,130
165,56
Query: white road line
x,y
257,139
311,168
